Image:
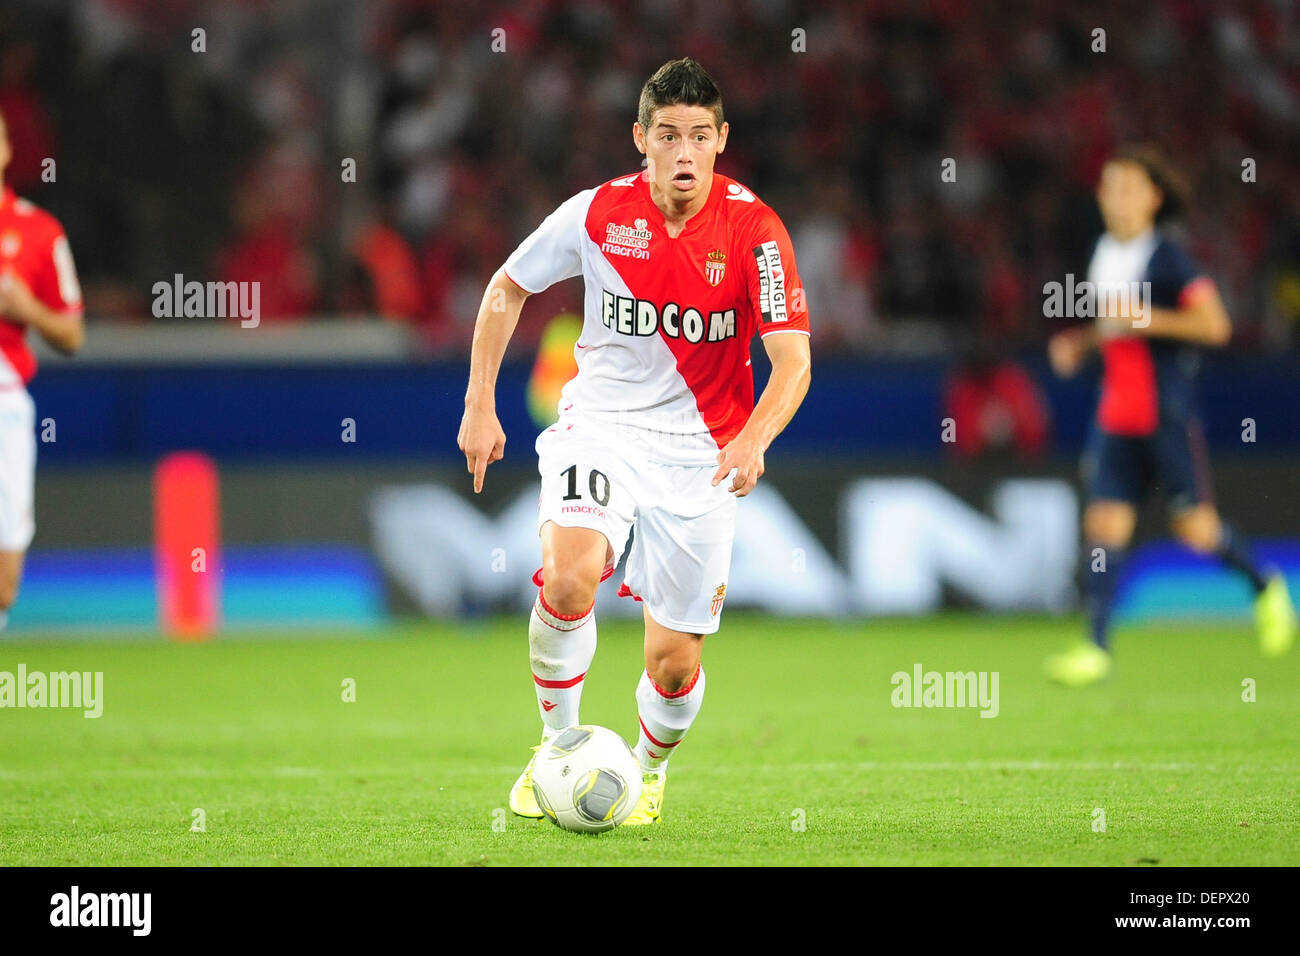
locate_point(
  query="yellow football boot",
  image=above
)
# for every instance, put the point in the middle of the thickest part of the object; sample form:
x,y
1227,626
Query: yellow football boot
x,y
652,799
522,799
1275,617
1081,665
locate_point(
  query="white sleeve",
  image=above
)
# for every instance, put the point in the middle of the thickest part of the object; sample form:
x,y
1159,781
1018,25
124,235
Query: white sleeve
x,y
66,273
554,251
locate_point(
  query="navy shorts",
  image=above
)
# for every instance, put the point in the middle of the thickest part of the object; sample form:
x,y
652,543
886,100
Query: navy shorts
x,y
1172,461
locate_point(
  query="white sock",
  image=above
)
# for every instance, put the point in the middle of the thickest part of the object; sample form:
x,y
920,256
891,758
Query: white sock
x,y
560,649
665,718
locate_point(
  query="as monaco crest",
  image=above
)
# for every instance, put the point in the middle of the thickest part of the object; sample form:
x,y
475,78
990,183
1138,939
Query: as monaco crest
x,y
720,594
715,267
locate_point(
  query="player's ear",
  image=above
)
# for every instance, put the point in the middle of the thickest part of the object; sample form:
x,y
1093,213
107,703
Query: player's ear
x,y
1158,202
638,137
722,135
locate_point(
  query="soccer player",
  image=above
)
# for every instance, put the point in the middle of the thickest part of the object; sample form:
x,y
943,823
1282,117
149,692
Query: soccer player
x,y
658,431
38,290
1146,432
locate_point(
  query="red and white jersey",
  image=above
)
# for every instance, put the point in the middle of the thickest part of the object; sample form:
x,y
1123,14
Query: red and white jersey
x,y
668,322
34,248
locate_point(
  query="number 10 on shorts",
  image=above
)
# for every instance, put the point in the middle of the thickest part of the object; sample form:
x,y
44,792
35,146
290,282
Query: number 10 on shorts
x,y
597,484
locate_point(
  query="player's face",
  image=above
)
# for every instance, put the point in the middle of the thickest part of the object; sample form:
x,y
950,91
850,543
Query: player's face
x,y
1128,199
681,146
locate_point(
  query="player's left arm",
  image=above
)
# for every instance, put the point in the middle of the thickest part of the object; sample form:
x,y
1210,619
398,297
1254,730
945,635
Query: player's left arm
x,y
781,398
52,303
1200,317
66,331
1180,302
777,301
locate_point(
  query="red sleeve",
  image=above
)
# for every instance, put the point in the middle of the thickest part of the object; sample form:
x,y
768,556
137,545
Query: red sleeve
x,y
775,292
1195,291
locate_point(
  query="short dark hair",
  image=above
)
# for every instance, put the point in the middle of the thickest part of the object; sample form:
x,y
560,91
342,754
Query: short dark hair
x,y
1166,177
679,83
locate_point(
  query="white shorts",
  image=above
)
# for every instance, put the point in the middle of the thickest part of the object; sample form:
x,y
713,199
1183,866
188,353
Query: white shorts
x,y
596,477
17,468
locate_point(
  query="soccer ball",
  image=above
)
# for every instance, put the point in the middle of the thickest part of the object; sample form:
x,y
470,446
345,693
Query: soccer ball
x,y
587,779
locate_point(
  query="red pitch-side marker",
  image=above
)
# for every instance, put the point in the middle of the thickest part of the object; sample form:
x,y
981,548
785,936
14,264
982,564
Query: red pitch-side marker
x,y
187,563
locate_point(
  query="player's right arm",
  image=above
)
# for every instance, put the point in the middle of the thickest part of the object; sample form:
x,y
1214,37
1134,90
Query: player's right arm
x,y
481,437
1069,348
551,253
64,330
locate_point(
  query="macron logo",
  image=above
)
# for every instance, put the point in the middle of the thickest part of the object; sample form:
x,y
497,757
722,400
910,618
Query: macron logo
x,y
627,180
102,909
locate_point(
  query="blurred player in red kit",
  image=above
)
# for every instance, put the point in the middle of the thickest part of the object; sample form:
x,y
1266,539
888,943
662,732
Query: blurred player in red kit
x,y
38,290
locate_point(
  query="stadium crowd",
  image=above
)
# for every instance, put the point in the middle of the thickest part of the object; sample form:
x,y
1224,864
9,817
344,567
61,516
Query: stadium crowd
x,y
226,154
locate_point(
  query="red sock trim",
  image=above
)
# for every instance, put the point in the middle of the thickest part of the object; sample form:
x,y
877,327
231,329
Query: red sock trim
x,y
651,737
538,615
557,615
559,684
604,575
690,685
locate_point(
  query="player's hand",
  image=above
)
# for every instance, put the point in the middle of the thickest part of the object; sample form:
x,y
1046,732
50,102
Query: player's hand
x,y
16,299
482,440
1121,324
744,455
1119,318
1066,350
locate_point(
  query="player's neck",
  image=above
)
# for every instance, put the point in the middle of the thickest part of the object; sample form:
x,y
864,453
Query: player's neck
x,y
1131,234
677,215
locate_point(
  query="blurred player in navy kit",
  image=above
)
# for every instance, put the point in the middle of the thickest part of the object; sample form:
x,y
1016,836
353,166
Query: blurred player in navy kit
x,y
1147,433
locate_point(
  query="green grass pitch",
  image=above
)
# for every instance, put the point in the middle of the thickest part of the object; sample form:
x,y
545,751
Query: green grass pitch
x,y
797,726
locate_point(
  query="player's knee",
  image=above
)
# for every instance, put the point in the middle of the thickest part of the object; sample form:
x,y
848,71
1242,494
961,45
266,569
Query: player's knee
x,y
8,590
569,590
1200,535
1108,526
672,671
